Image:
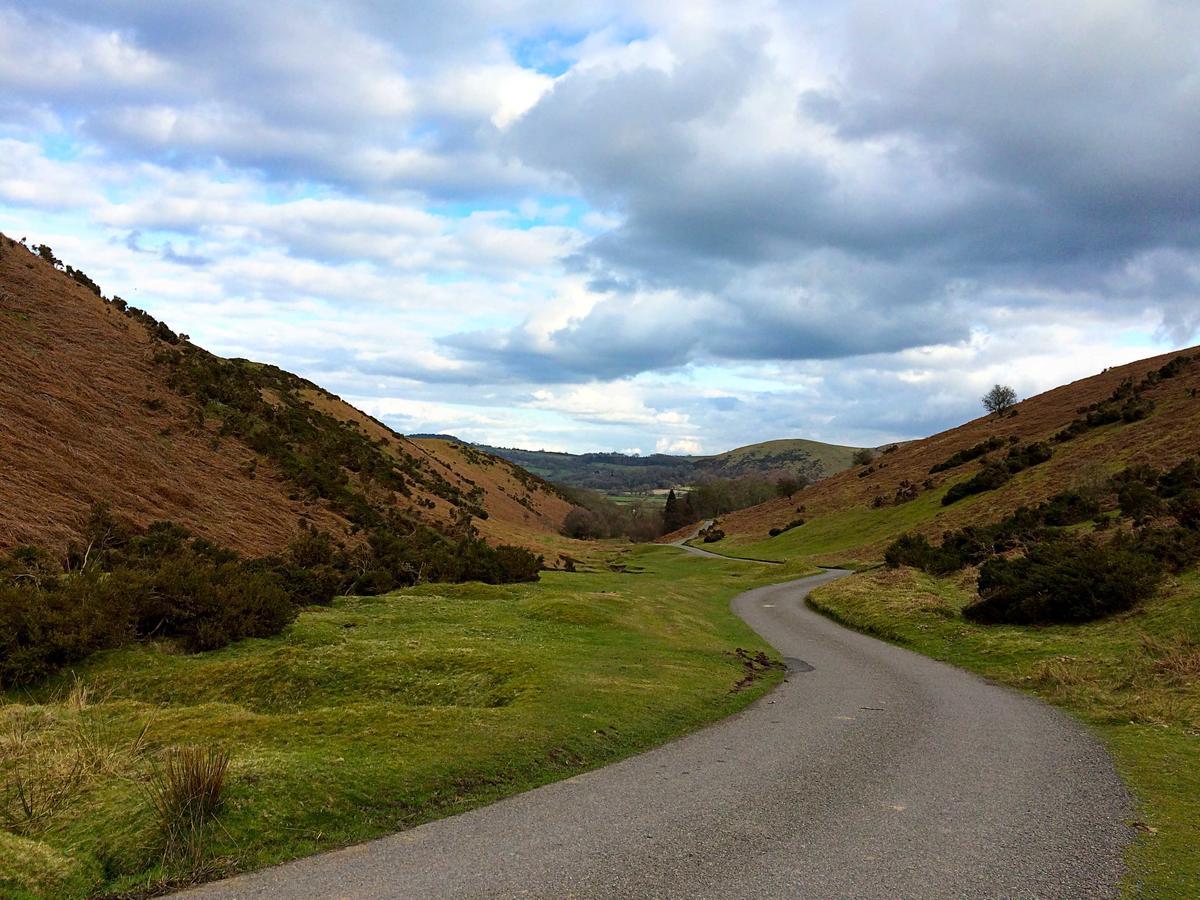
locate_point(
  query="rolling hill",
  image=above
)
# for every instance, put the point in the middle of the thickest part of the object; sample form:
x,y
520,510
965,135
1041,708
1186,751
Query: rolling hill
x,y
99,402
620,472
812,459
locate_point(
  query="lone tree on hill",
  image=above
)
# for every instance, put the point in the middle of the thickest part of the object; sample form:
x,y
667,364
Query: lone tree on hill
x,y
999,399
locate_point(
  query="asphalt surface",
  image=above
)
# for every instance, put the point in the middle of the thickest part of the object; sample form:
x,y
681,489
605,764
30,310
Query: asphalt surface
x,y
872,772
683,544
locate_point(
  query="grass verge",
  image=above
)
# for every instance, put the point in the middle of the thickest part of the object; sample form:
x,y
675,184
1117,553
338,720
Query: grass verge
x,y
367,717
1134,678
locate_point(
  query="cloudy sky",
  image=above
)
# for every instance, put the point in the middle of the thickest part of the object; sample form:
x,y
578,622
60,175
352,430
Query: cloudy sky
x,y
665,225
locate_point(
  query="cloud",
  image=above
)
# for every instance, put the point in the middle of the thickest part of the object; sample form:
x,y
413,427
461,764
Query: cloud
x,y
622,224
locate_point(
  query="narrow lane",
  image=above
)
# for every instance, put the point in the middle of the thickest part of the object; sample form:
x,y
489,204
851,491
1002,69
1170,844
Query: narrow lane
x,y
871,772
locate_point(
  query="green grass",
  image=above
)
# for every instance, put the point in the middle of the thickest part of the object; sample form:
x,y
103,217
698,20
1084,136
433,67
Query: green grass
x,y
843,533
371,716
648,499
1134,679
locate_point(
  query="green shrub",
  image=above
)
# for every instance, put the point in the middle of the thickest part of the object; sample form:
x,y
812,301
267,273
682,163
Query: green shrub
x,y
970,453
1138,502
990,477
1064,581
1186,509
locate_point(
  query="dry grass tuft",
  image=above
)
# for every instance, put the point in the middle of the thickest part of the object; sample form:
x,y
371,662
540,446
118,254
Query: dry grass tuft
x,y
187,790
50,755
1176,659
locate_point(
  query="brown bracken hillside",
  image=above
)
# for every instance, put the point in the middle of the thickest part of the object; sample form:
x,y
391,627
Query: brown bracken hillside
x,y
97,405
899,492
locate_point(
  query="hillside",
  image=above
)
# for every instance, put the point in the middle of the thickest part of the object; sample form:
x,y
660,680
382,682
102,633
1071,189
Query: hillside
x,y
102,403
854,514
620,472
1053,549
810,458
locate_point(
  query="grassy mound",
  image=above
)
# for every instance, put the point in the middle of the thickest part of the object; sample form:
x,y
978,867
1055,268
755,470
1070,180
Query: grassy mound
x,y
365,717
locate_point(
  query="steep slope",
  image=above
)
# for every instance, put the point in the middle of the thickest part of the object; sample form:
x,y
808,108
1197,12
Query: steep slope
x,y
101,403
855,513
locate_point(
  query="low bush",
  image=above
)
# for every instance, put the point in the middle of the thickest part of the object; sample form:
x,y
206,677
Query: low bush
x,y
1063,581
970,453
121,586
795,523
990,477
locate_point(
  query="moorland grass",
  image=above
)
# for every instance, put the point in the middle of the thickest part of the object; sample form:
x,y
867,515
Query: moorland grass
x,y
1134,678
369,716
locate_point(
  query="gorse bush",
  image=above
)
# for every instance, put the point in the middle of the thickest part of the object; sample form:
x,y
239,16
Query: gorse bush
x,y
967,455
121,586
1063,578
996,473
1063,581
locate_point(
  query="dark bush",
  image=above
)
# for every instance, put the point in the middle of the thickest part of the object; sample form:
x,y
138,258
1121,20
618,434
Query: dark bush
x,y
1175,549
862,457
1023,457
1138,502
1184,477
970,453
1064,581
990,477
1186,509
1068,508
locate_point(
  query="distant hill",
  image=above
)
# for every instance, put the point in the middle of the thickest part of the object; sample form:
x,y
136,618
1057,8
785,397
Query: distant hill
x,y
100,402
621,473
810,458
611,472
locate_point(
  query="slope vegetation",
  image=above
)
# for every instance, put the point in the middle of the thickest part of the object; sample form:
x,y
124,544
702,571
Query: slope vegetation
x,y
98,402
856,513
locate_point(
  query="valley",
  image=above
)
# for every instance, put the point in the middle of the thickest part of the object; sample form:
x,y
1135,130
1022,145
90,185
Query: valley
x,y
214,559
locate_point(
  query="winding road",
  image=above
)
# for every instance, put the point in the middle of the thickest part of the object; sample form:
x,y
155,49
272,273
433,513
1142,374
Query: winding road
x,y
872,772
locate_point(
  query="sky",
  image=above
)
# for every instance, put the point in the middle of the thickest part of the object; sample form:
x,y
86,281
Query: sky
x,y
641,226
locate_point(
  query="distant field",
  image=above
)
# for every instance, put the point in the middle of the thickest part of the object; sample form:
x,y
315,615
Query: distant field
x,y
1134,678
649,499
371,716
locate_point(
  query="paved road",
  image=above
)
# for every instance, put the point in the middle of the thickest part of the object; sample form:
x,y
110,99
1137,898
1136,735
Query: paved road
x,y
683,544
871,772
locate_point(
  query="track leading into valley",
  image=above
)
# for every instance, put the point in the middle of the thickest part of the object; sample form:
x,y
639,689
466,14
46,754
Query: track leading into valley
x,y
871,772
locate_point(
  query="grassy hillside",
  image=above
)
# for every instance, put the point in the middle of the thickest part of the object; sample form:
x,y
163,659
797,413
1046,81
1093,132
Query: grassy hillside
x,y
367,717
810,458
99,402
853,515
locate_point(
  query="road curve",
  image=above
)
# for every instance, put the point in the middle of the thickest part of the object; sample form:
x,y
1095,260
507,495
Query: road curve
x,y
683,544
872,772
